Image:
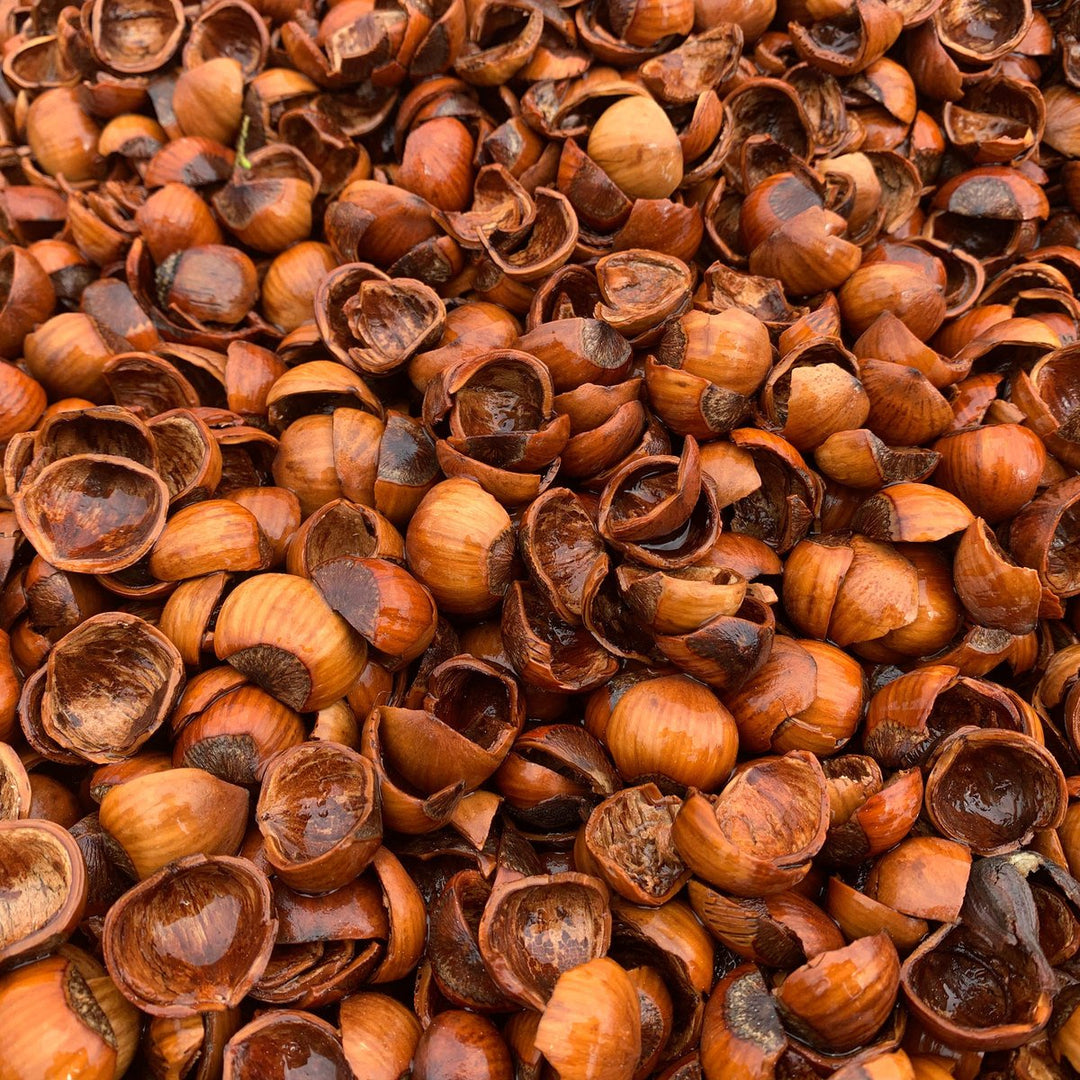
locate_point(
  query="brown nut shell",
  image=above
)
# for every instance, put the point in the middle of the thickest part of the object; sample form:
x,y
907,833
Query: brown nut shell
x,y
994,469
741,1031
782,930
15,795
458,1043
278,1043
859,915
575,927
650,164
279,631
109,685
672,728
43,880
453,950
404,808
189,457
132,38
236,734
62,137
460,545
161,816
382,601
97,1031
972,996
219,908
216,534
991,789
924,877
628,839
560,547
27,297
188,614
545,651
591,1026
994,590
912,513
865,973
196,1043
92,513
712,834
379,1035
320,815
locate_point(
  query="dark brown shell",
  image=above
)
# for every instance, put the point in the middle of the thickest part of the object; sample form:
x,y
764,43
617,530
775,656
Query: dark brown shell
x,y
274,1045
574,928
992,789
320,815
226,945
70,514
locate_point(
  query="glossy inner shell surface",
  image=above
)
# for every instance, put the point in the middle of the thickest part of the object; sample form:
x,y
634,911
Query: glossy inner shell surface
x,y
191,937
111,682
94,513
1021,794
289,1046
318,799
544,928
967,986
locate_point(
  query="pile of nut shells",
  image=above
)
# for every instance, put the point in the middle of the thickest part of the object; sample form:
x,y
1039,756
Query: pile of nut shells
x,y
540,539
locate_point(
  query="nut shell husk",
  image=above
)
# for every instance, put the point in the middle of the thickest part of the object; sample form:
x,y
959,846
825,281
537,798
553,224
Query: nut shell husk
x,y
592,1005
14,785
161,816
279,631
467,568
97,1028
381,601
866,972
28,298
1016,978
196,1043
379,1034
644,873
924,876
579,931
469,1043
1029,790
235,736
672,728
994,590
488,466
272,1044
109,685
741,1027
67,512
216,534
46,886
320,815
710,833
654,140
226,959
